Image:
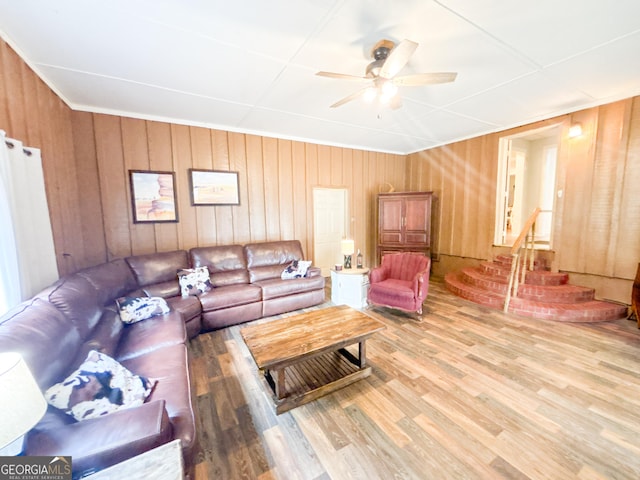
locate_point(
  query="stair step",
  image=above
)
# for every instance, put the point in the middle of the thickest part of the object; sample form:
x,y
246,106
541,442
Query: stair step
x,y
544,277
456,284
535,277
478,278
556,293
587,311
496,269
505,260
540,286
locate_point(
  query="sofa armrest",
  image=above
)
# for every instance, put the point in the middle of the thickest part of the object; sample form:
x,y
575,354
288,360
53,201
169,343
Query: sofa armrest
x,y
314,272
378,274
97,443
421,282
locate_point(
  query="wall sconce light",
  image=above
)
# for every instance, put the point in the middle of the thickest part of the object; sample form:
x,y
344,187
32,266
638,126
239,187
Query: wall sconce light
x,y
575,130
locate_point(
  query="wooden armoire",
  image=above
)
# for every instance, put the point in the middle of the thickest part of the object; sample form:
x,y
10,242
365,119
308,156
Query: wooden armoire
x,y
404,223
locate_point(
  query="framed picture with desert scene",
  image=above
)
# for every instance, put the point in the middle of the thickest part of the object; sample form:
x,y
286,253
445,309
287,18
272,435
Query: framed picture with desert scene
x,y
214,187
153,196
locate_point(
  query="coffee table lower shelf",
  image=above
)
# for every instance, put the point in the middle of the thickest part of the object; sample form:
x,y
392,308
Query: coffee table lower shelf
x,y
315,377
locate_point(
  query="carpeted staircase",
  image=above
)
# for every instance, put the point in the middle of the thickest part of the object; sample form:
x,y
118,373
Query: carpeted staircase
x,y
544,294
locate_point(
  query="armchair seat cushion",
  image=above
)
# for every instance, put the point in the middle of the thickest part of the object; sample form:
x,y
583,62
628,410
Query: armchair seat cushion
x,y
393,291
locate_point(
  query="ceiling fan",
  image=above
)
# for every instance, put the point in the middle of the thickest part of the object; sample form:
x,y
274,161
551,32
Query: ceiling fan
x,y
380,75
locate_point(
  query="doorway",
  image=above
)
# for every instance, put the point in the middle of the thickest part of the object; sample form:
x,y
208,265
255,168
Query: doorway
x,y
330,214
526,180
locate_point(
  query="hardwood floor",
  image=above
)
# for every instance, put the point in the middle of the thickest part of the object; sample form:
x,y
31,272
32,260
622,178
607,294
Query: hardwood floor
x,y
465,393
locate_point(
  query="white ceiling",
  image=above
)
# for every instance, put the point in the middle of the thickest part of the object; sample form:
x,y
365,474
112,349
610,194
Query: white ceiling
x,y
249,65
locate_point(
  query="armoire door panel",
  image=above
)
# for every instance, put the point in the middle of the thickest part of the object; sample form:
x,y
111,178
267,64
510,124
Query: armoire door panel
x,y
391,215
417,214
416,238
389,238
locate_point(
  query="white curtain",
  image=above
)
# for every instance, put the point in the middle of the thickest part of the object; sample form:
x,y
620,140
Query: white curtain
x,y
27,253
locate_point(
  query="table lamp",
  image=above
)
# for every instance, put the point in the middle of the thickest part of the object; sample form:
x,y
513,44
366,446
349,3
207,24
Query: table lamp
x,y
348,247
21,403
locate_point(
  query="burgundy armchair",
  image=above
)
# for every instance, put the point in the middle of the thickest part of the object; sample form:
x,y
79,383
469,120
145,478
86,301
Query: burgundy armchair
x,y
402,281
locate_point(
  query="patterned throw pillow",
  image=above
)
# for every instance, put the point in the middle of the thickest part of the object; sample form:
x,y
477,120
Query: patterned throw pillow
x,y
98,387
296,269
194,281
134,309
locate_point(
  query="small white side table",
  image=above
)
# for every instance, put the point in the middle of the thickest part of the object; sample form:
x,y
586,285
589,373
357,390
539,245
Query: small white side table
x,y
349,286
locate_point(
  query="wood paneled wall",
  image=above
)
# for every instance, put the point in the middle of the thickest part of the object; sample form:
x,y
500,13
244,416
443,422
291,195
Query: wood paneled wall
x,y
596,232
463,178
276,184
32,113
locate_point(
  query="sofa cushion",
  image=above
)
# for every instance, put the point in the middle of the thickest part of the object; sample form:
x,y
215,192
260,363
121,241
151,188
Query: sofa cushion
x,y
170,365
279,288
104,338
288,303
136,309
47,340
189,307
77,299
267,260
162,289
226,263
98,387
111,280
158,267
230,296
151,334
194,281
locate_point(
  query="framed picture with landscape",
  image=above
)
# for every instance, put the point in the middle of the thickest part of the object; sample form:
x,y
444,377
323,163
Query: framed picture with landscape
x,y
153,196
214,187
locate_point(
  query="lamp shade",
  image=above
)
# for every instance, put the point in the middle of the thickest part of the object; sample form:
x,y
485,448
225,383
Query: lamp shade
x,y
347,246
21,402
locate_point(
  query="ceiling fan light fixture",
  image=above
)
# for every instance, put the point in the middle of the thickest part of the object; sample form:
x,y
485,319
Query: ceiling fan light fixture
x,y
370,94
388,89
387,92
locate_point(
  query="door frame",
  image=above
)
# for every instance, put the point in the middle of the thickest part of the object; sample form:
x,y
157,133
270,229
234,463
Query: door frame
x,y
346,223
502,181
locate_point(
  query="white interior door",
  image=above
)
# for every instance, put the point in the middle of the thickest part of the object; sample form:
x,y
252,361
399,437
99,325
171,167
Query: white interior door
x,y
330,226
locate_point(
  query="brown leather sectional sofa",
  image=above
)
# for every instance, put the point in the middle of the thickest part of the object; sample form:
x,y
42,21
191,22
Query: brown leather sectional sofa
x,y
55,330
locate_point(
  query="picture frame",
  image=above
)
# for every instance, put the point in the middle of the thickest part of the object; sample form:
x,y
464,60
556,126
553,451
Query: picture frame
x,y
214,187
153,196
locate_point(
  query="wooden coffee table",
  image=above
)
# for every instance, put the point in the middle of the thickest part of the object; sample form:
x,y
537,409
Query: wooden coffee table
x,y
304,357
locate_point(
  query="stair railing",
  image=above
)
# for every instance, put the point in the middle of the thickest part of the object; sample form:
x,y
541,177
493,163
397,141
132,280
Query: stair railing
x,y
522,252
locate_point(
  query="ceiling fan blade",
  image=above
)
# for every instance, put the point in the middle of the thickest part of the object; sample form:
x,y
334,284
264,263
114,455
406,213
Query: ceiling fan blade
x,y
342,76
398,58
349,98
424,79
